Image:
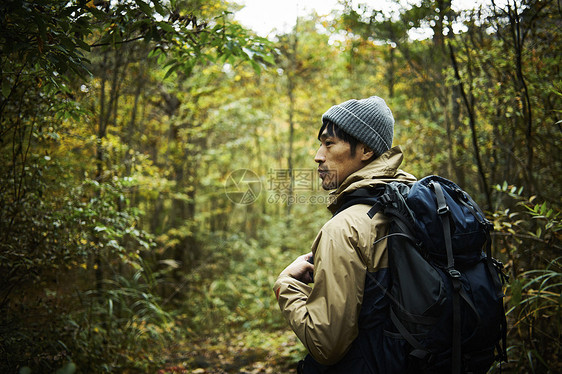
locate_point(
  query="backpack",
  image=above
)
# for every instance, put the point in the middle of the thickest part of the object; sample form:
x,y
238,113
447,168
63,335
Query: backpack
x,y
446,300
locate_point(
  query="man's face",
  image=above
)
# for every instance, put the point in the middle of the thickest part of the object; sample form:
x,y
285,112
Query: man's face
x,y
335,162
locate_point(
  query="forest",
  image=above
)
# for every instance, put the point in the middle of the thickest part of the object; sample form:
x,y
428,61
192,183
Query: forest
x,y
157,168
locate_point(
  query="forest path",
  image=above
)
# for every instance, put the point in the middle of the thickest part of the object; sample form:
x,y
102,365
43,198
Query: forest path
x,y
249,352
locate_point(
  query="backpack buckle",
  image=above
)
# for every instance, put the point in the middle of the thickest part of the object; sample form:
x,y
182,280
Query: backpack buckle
x,y
454,273
443,210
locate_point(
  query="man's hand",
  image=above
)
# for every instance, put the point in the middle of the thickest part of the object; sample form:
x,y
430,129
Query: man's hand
x,y
300,269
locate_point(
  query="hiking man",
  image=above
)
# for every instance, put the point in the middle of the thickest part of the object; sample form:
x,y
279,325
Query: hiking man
x,y
341,318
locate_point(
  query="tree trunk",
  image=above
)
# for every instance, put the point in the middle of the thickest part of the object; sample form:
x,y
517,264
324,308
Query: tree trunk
x,y
291,86
469,104
523,91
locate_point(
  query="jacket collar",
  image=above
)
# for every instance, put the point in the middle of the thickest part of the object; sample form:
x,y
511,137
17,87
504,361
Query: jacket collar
x,y
381,170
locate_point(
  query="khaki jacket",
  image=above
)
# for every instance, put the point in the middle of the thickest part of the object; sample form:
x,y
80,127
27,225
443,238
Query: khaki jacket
x,y
325,316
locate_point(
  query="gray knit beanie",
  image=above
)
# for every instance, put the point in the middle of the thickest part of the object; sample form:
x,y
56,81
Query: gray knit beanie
x,y
368,120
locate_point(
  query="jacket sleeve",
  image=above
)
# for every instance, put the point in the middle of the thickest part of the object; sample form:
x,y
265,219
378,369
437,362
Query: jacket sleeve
x,y
325,316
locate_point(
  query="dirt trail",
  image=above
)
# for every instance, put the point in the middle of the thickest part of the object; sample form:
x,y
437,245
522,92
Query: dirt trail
x,y
271,353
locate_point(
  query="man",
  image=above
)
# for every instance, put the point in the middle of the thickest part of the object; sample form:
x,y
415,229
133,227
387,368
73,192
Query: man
x,y
342,317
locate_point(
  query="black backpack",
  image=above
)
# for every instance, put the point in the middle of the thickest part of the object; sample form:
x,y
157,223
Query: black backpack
x,y
446,298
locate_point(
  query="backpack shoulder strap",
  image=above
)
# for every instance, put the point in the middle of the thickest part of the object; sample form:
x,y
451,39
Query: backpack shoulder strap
x,y
367,195
443,213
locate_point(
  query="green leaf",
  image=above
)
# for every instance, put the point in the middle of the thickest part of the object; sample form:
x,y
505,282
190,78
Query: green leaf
x,y
69,368
85,46
110,307
166,27
144,7
6,88
516,292
159,8
172,69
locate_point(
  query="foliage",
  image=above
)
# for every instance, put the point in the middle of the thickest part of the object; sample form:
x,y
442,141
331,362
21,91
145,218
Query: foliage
x,y
69,216
239,295
124,327
44,40
528,234
536,316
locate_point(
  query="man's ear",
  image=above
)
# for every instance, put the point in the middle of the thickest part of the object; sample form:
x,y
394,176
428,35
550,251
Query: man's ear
x,y
366,152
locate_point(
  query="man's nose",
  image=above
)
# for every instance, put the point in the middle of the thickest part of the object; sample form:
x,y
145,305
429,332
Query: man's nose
x,y
319,158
